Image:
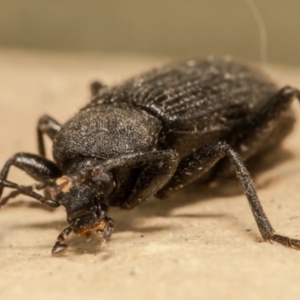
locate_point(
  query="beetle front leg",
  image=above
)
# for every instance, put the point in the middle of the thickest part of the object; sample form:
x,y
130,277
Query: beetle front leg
x,y
60,247
46,125
35,166
201,161
158,171
152,179
25,190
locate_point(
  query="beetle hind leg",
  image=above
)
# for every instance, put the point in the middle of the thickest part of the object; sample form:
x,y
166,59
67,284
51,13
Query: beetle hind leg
x,y
257,133
194,166
285,241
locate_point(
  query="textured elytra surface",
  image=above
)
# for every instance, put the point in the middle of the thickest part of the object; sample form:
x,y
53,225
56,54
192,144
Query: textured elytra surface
x,y
201,101
195,89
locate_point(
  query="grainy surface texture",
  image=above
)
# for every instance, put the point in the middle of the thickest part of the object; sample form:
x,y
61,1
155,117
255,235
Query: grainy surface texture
x,y
201,243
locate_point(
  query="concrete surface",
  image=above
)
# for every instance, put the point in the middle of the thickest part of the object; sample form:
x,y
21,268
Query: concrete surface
x,y
201,244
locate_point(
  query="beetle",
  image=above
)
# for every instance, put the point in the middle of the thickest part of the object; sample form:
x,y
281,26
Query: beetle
x,y
152,135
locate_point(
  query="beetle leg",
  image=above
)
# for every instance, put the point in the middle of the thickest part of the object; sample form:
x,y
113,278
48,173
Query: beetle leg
x,y
132,159
49,126
107,231
35,166
201,161
60,247
15,193
192,167
158,168
154,176
25,190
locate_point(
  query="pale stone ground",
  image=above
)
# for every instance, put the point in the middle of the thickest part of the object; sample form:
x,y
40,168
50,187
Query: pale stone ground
x,y
202,244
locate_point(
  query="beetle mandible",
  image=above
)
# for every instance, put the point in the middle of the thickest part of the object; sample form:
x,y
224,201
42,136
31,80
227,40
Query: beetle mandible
x,y
155,134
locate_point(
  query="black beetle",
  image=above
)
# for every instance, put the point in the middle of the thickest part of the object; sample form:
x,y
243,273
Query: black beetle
x,y
153,135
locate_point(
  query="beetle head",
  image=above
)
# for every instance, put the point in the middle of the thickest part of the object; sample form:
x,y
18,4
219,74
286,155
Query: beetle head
x,y
85,202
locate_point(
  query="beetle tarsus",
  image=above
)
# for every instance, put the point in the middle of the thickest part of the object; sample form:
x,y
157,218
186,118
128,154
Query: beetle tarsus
x,y
105,234
109,227
285,241
60,247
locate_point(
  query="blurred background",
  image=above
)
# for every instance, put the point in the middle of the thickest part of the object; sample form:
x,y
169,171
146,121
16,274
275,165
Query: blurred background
x,y
158,27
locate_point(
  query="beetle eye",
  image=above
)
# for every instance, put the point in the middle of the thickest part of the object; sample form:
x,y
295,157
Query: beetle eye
x,y
106,182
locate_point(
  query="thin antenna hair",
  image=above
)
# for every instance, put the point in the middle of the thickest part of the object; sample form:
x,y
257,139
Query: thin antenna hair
x,y
262,31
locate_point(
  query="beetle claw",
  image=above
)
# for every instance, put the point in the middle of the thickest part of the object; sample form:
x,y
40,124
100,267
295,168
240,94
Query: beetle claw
x,y
88,236
59,249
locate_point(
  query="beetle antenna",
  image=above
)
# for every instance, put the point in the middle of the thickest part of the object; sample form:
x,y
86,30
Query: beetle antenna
x,y
262,31
25,190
